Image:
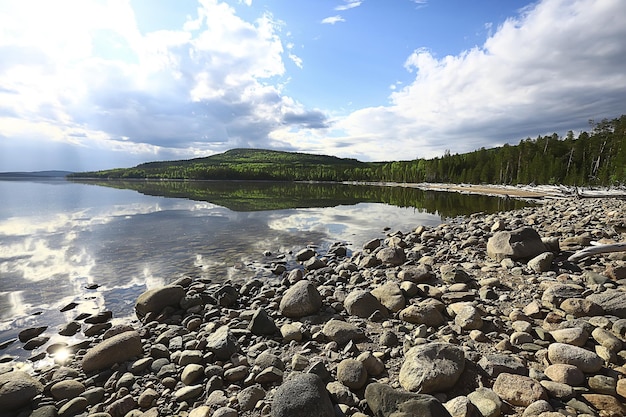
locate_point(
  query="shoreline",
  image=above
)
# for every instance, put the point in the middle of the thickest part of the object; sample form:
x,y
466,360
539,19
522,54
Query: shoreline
x,y
237,348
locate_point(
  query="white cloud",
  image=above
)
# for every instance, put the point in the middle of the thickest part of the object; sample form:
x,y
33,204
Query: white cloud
x,y
331,20
82,73
349,4
554,67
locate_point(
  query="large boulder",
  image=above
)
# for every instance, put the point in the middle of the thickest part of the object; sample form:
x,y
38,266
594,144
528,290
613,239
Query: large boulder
x,y
156,299
433,367
384,401
303,395
301,300
119,348
17,389
522,243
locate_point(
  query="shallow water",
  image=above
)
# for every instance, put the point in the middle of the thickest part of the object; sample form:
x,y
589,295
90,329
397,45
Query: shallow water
x,y
58,238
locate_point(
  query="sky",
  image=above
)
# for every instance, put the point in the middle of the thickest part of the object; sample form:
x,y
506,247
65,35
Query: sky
x,y
99,84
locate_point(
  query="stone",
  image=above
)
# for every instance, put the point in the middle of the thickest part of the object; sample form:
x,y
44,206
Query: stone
x,y
342,332
30,333
303,395
226,295
289,332
583,359
188,393
468,317
566,374
300,300
192,373
69,388
433,367
494,364
17,389
613,302
461,406
384,401
305,254
363,304
542,262
390,295
621,387
156,299
267,359
607,339
340,394
393,256
373,365
581,307
222,343
607,404
423,313
352,373
416,273
248,397
451,274
576,336
122,406
518,390
522,243
147,398
486,401
536,408
262,324
225,412
202,411
558,389
73,407
269,375
116,349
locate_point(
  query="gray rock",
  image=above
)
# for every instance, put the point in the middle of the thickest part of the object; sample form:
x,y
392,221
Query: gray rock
x,y
363,304
116,349
188,393
384,401
301,300
495,364
461,406
564,373
416,273
305,254
541,262
433,367
74,406
352,373
613,302
519,390
583,359
222,343
267,359
487,401
536,408
17,388
262,324
423,313
342,332
391,256
314,263
227,295
192,373
122,406
66,389
523,243
303,395
451,274
390,295
581,307
30,333
248,397
156,299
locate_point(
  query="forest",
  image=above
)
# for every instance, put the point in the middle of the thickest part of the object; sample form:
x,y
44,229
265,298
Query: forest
x,y
597,157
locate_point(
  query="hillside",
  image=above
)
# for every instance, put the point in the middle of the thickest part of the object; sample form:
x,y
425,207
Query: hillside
x,y
34,174
592,158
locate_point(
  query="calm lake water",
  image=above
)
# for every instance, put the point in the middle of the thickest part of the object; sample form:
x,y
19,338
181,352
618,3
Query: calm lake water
x,y
57,238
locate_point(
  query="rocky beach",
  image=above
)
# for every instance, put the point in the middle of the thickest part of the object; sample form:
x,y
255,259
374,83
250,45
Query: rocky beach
x,y
480,316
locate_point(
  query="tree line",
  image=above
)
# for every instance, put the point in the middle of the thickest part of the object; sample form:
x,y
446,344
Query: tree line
x,y
597,157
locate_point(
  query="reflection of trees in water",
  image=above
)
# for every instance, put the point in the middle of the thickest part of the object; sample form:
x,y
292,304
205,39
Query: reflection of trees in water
x,y
254,196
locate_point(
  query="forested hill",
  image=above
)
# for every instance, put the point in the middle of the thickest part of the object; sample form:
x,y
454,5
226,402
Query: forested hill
x,y
597,157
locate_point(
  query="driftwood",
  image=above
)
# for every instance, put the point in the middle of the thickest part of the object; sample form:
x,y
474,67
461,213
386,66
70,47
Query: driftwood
x,y
595,249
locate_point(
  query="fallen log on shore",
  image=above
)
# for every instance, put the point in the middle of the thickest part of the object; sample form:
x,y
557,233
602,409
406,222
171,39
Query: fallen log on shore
x,y
596,249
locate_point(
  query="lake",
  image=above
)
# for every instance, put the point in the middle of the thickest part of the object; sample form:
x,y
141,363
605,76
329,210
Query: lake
x,y
100,245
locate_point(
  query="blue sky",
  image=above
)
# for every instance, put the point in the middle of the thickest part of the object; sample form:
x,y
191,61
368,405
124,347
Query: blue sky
x,y
95,84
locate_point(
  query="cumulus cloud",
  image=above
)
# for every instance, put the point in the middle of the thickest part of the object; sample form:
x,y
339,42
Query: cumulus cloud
x,y
556,65
82,73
